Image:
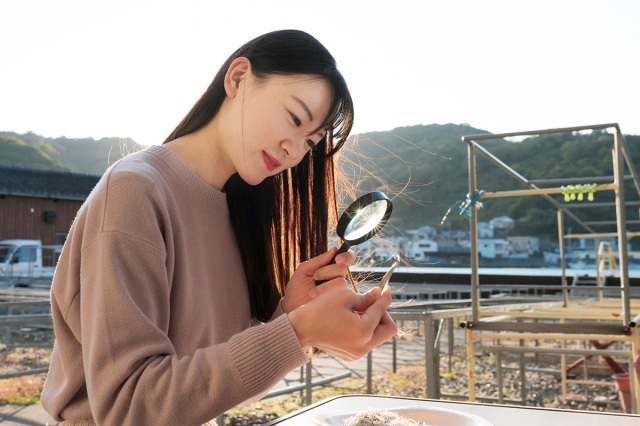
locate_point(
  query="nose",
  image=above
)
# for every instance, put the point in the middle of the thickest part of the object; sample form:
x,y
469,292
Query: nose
x,y
295,149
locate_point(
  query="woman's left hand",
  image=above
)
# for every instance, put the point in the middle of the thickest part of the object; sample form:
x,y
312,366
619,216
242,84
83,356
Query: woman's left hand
x,y
302,286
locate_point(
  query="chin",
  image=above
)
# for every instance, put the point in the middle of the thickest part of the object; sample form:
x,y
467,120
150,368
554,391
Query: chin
x,y
253,180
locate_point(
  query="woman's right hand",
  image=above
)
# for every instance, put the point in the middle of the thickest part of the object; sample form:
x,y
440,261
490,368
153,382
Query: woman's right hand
x,y
344,323
302,287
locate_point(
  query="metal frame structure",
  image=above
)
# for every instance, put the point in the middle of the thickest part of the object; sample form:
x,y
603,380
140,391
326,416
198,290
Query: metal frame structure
x,y
569,324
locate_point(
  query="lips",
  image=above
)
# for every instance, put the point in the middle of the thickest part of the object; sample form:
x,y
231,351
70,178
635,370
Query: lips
x,y
270,162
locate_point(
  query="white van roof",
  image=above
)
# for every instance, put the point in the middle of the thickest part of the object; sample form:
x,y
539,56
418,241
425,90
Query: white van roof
x,y
21,243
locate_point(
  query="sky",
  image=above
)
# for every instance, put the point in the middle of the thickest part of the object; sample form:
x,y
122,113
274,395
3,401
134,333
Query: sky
x,y
134,68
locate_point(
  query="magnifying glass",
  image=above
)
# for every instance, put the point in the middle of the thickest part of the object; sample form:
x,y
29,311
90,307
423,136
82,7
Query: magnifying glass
x,y
363,219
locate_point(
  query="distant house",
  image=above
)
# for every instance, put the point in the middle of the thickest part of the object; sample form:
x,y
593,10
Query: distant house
x,y
40,204
504,223
522,246
485,230
378,250
425,232
423,248
492,248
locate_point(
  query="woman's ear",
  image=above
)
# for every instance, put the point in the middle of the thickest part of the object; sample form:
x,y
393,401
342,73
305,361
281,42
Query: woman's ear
x,y
237,73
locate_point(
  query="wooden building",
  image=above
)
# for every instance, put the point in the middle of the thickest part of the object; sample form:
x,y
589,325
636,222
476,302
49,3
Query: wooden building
x,y
40,204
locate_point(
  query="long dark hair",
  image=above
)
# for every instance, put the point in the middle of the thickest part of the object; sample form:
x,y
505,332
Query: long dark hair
x,y
285,219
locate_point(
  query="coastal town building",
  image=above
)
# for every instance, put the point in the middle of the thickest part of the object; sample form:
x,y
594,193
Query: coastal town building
x,y
40,204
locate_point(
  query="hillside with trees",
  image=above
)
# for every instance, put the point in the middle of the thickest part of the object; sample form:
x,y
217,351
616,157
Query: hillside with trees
x,y
87,155
18,152
424,168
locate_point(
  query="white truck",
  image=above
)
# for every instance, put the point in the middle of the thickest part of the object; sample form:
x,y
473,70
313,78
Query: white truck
x,y
27,263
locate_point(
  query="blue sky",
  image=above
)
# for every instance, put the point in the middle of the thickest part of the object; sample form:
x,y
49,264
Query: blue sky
x,y
134,68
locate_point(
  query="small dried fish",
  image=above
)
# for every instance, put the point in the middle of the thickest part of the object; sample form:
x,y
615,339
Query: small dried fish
x,y
385,279
375,417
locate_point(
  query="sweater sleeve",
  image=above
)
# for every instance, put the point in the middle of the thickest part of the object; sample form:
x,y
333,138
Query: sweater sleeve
x,y
132,372
279,311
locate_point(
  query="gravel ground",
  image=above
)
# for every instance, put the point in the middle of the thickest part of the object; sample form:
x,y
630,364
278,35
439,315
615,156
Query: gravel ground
x,y
542,390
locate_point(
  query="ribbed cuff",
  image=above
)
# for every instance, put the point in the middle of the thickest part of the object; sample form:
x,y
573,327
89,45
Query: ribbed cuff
x,y
266,353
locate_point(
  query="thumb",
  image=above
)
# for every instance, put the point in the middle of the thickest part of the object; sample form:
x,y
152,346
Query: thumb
x,y
378,308
364,300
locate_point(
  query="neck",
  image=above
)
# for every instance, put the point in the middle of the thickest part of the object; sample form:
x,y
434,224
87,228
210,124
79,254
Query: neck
x,y
202,153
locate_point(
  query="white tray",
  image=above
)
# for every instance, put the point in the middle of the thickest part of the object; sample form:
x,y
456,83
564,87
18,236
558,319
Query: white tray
x,y
431,416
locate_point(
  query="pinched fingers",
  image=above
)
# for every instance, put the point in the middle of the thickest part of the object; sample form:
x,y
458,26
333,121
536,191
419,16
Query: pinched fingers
x,y
385,330
344,323
375,316
365,301
363,340
371,326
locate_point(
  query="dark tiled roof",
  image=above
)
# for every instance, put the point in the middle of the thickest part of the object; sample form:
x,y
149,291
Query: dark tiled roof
x,y
45,183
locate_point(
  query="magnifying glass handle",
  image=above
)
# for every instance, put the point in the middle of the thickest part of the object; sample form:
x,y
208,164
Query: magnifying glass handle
x,y
343,248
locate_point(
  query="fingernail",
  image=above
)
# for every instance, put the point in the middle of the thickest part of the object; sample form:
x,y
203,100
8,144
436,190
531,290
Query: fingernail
x,y
340,259
313,293
376,291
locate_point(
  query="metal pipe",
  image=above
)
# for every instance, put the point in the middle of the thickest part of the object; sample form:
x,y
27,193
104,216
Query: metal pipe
x,y
431,366
308,385
470,366
13,320
563,368
552,336
499,377
450,341
621,217
611,222
473,230
302,386
627,157
394,348
602,234
523,376
369,372
540,132
565,351
634,379
539,191
39,370
591,382
563,263
576,180
601,204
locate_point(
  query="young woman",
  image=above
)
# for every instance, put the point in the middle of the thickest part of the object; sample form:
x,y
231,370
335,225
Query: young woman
x,y
187,283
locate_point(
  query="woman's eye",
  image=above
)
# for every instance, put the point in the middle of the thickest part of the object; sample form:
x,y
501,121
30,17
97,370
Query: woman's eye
x,y
311,144
296,120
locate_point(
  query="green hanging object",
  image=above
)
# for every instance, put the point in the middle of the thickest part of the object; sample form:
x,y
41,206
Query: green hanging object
x,y
573,192
591,190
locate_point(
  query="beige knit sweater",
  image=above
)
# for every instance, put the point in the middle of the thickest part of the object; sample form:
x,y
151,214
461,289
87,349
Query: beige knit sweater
x,y
150,305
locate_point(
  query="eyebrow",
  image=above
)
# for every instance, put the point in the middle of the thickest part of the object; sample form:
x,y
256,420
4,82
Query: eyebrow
x,y
304,106
308,111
